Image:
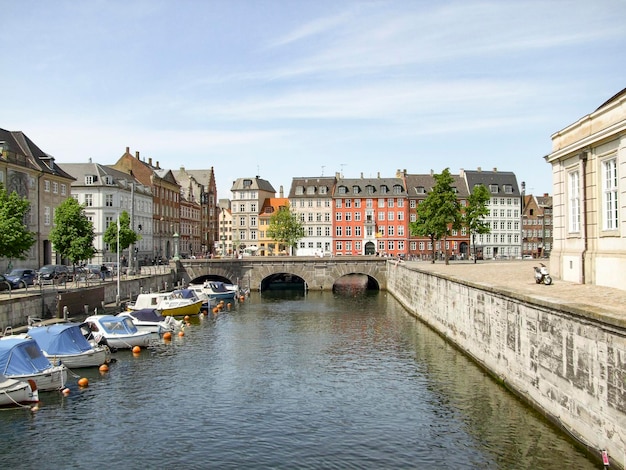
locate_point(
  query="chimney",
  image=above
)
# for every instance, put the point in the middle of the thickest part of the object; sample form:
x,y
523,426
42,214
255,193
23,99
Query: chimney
x,y
378,174
281,192
361,175
157,165
137,155
337,175
495,170
150,161
479,169
431,172
127,149
461,172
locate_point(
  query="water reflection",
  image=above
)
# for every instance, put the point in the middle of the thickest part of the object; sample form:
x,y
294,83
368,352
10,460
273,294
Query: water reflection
x,y
288,380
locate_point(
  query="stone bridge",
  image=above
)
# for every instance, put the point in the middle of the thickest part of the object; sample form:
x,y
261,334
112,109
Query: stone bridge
x,y
317,273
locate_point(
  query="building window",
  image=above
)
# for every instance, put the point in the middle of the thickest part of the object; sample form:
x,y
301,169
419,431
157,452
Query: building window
x,y
63,190
574,201
46,216
55,187
609,194
88,200
108,200
46,186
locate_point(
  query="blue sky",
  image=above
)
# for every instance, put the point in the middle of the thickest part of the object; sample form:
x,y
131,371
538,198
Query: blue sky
x,y
284,89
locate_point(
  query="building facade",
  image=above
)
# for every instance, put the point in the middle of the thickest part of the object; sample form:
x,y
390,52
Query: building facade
x,y
311,199
537,226
34,175
588,159
105,193
505,213
249,194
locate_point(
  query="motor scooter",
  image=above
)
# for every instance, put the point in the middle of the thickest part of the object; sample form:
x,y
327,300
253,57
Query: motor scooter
x,y
542,275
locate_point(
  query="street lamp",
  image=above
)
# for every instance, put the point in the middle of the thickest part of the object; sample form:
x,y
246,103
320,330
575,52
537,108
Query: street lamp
x,y
223,237
176,257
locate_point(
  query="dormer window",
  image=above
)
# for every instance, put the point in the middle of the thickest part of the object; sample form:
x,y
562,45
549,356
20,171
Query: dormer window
x,y
493,188
310,190
90,179
420,190
508,189
397,189
342,190
247,184
108,179
299,190
369,189
383,189
356,190
323,190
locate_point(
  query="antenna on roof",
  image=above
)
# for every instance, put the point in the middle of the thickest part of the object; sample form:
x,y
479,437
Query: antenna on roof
x,y
342,165
323,166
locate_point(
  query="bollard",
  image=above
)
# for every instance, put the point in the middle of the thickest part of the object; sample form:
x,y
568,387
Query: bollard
x,y
65,312
86,307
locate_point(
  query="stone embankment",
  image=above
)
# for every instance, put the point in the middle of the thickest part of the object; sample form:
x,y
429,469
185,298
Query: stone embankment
x,y
562,348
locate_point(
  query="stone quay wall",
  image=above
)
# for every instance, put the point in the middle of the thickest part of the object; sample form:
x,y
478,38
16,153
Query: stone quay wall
x,y
568,364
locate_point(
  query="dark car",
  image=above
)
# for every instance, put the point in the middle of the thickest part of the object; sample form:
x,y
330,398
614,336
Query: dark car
x,y
54,274
4,283
21,277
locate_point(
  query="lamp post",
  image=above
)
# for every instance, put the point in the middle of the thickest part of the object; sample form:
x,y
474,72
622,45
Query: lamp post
x,y
223,237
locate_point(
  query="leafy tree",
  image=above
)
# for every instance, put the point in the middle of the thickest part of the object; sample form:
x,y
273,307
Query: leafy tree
x,y
15,239
439,213
475,213
72,235
285,227
127,236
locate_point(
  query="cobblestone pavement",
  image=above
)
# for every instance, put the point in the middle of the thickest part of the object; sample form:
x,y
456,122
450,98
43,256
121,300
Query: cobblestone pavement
x,y
517,276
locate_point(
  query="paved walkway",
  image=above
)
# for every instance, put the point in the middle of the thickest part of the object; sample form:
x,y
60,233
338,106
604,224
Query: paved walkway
x,y
517,277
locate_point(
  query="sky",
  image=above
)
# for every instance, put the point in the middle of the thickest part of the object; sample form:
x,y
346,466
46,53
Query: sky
x,y
305,88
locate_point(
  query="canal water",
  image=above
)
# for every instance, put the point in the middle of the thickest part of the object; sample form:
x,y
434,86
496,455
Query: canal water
x,y
324,381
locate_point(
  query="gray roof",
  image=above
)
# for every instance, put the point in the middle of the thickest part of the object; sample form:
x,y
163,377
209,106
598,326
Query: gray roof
x,y
497,178
120,179
316,181
255,183
363,183
17,142
414,183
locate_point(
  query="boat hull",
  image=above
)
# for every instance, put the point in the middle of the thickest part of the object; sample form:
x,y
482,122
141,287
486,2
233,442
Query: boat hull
x,y
93,358
16,393
49,380
182,310
141,339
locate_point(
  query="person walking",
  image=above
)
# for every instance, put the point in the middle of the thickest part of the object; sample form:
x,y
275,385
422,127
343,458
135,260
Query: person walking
x,y
103,272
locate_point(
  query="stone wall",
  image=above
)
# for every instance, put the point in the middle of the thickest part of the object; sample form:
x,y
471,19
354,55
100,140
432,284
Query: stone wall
x,y
569,366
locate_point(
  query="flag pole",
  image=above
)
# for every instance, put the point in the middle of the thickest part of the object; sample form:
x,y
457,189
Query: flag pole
x,y
117,298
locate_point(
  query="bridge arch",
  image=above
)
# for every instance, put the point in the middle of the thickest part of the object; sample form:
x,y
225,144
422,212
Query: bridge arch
x,y
317,274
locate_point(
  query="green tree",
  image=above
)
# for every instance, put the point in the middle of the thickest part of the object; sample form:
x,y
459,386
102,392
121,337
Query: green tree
x,y
439,213
15,239
127,236
475,213
72,235
285,227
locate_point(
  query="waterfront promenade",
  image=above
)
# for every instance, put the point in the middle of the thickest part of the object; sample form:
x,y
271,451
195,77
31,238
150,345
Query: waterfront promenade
x,y
517,277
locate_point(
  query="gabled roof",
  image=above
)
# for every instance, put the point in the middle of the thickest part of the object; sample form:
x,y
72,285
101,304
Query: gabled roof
x,y
363,183
120,179
272,204
425,182
17,142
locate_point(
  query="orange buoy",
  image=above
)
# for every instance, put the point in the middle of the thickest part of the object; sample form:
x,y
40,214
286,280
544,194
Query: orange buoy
x,y
83,382
241,298
137,349
229,305
181,333
66,391
216,310
104,368
186,318
167,336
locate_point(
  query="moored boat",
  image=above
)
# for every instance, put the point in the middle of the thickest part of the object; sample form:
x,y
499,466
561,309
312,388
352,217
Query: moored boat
x,y
65,343
16,393
177,303
217,290
118,332
21,358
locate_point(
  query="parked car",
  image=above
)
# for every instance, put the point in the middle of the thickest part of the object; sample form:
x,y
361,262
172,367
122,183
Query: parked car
x,y
21,277
113,268
96,269
54,274
4,283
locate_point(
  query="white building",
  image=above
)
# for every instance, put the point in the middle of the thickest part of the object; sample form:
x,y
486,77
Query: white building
x,y
311,199
588,175
105,193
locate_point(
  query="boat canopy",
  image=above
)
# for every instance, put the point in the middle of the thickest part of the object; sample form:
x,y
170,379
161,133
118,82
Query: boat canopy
x,y
147,314
60,339
184,294
117,325
21,356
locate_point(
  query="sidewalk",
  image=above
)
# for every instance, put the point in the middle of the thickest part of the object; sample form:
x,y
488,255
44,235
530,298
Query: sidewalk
x,y
517,277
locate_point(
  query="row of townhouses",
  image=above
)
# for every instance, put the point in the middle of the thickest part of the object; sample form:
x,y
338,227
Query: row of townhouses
x,y
177,211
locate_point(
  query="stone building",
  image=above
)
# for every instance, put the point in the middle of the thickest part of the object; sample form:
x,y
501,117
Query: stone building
x,y
588,161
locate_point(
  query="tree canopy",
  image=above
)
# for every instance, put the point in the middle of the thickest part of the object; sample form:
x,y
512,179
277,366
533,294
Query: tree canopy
x,y
127,236
475,213
439,213
72,235
285,227
15,239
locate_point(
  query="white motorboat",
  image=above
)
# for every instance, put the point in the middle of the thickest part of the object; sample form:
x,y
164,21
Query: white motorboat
x,y
16,393
65,343
21,358
118,332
